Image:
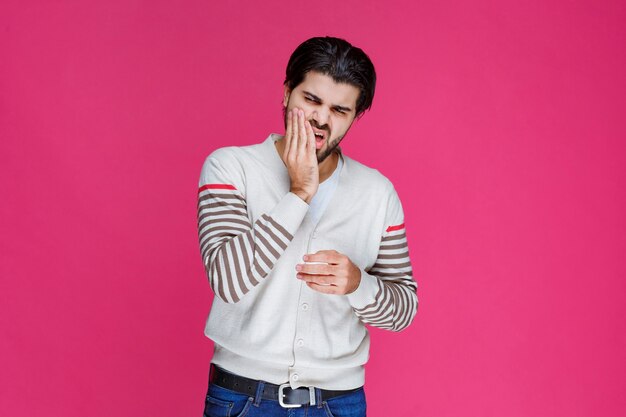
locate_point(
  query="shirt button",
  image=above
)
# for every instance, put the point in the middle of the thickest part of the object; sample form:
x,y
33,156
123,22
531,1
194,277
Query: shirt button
x,y
295,377
300,342
314,235
305,306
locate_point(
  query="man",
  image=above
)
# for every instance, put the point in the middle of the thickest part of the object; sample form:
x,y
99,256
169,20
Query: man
x,y
302,247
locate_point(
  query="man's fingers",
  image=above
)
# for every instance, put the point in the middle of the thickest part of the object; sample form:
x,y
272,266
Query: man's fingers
x,y
316,268
318,279
288,132
299,136
293,146
326,289
295,135
310,138
327,256
302,136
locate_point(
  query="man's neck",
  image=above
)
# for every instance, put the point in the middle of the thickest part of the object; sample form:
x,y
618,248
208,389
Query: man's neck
x,y
326,168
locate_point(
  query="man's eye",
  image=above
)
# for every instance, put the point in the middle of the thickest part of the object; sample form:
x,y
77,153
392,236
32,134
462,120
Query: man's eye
x,y
340,111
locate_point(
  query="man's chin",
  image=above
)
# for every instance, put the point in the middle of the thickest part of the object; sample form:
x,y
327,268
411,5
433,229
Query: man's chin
x,y
325,151
321,155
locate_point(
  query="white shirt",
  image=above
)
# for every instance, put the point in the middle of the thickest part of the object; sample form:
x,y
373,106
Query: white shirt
x,y
324,193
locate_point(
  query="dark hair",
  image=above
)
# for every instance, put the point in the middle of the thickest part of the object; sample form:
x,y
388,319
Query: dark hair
x,y
338,59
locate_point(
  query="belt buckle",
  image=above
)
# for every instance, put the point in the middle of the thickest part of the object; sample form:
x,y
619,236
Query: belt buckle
x,y
281,395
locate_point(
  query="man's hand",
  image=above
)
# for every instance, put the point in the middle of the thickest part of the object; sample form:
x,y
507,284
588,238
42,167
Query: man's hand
x,y
336,274
299,156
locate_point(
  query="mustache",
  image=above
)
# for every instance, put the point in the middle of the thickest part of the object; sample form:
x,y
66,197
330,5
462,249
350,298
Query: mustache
x,y
317,126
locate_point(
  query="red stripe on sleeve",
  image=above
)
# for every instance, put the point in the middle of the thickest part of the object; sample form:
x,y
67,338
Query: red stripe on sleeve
x,y
217,186
397,227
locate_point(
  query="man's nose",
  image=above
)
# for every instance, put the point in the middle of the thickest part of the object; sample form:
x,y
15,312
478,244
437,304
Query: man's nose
x,y
320,116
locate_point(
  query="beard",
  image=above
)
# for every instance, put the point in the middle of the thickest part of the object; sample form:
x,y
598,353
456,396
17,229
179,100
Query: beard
x,y
331,145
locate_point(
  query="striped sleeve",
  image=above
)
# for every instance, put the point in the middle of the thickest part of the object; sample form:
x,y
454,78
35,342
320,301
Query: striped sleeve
x,y
387,295
237,254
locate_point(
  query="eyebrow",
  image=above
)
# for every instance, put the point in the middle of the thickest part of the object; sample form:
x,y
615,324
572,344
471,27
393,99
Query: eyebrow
x,y
319,100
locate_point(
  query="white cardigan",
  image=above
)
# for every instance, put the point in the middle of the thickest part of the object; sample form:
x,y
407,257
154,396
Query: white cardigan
x,y
267,324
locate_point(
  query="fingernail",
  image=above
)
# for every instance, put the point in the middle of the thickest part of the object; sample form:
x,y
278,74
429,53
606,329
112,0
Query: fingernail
x,y
305,257
298,267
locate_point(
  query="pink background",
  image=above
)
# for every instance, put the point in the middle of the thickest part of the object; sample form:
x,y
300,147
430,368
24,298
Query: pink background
x,y
501,124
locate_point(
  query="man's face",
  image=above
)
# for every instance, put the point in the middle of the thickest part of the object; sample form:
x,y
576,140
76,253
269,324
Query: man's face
x,y
329,107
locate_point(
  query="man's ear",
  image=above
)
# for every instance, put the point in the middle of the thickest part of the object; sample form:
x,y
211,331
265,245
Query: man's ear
x,y
287,93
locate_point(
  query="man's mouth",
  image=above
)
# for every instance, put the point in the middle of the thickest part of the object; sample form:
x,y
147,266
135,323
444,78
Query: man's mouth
x,y
320,137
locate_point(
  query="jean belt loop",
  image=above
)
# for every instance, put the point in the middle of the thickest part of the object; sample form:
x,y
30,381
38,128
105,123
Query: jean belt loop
x,y
318,397
259,393
211,372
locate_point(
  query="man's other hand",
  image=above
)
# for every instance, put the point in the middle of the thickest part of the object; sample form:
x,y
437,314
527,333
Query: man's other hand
x,y
329,272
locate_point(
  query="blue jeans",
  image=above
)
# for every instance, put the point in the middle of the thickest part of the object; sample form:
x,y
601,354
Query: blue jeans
x,y
221,402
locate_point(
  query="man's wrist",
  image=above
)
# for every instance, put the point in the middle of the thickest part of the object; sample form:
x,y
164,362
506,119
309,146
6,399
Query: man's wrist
x,y
304,196
355,280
